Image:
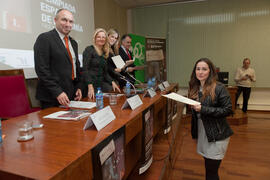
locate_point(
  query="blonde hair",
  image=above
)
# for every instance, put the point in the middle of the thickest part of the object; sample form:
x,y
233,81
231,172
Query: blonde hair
x,y
106,47
117,43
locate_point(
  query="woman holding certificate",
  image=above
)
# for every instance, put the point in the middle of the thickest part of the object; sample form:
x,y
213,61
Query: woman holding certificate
x,y
209,125
113,37
95,70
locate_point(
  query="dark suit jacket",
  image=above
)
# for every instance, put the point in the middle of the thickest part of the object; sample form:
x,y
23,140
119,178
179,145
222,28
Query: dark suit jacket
x,y
125,57
53,67
111,68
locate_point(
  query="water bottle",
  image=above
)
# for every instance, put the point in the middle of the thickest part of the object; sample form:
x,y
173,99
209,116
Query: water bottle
x,y
149,83
0,131
99,98
153,82
128,89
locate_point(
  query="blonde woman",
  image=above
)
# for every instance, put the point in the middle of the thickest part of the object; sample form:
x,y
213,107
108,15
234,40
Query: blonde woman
x,y
113,37
114,43
95,71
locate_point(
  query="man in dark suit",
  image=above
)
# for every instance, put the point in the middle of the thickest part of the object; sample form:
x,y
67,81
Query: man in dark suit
x,y
126,55
57,64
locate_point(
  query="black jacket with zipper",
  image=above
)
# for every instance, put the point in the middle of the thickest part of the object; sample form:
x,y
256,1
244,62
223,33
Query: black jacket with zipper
x,y
213,115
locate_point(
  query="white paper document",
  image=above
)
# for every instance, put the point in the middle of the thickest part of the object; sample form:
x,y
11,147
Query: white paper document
x,y
118,61
180,98
69,115
108,94
82,104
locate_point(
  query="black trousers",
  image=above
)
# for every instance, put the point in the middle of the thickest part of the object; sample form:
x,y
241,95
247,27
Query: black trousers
x,y
246,94
47,104
211,168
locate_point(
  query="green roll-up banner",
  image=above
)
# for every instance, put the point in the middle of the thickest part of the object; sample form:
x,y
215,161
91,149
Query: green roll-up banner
x,y
138,51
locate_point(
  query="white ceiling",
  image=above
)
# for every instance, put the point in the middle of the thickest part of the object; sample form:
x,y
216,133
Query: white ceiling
x,y
141,3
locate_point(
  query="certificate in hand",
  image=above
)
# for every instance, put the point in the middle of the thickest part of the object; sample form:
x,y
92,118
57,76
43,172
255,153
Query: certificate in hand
x,y
118,61
180,98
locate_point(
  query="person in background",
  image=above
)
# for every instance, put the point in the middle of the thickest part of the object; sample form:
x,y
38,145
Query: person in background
x,y
125,53
113,37
244,77
57,64
209,125
95,70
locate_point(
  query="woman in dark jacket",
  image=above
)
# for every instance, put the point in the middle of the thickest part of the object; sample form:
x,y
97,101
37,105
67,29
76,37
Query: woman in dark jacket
x,y
209,125
113,39
95,68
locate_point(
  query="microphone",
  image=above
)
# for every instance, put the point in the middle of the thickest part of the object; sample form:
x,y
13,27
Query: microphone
x,y
123,77
134,78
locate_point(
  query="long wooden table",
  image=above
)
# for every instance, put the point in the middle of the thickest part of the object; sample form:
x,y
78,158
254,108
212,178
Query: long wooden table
x,y
62,149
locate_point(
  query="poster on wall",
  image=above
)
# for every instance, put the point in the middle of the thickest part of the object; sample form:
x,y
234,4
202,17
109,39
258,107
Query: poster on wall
x,y
156,58
147,139
138,51
108,157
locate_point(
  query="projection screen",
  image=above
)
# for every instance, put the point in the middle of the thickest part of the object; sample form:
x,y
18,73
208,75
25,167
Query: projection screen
x,y
21,21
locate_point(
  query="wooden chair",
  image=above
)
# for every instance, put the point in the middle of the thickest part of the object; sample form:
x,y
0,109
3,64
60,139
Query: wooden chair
x,y
14,97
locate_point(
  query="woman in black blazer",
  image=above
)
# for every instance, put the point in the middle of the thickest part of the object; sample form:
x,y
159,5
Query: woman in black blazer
x,y
95,68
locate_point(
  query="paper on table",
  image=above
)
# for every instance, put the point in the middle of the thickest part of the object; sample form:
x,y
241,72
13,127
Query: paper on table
x,y
180,98
82,104
118,61
69,115
108,94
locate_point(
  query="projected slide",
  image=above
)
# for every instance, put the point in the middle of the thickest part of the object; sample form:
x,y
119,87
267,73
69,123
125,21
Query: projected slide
x,y
21,21
14,18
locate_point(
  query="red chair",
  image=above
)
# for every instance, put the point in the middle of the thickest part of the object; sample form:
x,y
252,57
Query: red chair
x,y
14,98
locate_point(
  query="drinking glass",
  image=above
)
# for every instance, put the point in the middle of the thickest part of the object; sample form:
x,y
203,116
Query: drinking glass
x,y
113,99
26,131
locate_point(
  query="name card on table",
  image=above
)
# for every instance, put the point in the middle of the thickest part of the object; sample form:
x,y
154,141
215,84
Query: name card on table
x,y
166,84
106,152
150,93
132,102
100,118
161,87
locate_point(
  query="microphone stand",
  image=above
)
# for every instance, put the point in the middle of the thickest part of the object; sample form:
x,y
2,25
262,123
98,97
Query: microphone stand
x,y
122,77
134,78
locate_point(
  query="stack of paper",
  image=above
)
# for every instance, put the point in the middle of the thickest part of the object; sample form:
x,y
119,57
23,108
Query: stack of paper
x,y
82,104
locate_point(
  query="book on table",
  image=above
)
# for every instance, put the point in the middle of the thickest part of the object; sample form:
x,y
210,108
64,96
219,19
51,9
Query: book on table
x,y
73,114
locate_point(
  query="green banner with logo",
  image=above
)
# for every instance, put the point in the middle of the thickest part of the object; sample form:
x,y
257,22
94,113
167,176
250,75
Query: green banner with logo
x,y
138,51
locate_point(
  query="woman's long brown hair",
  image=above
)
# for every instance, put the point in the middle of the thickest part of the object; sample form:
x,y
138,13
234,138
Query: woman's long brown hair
x,y
209,85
